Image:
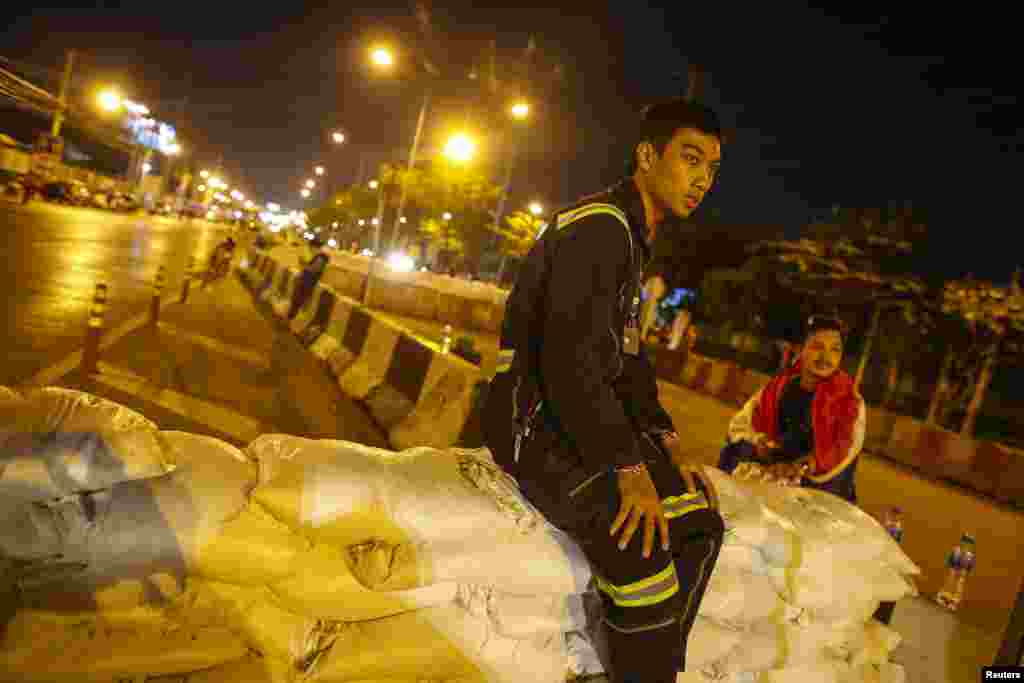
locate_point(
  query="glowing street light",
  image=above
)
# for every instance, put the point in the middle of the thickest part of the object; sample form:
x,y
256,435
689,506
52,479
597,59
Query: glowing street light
x,y
201,188
305,193
382,57
147,167
376,221
204,174
460,148
338,138
374,184
536,209
520,110
362,221
319,170
109,101
447,216
403,219
310,184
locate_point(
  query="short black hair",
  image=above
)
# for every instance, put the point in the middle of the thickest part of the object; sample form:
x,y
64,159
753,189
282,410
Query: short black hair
x,y
660,121
817,323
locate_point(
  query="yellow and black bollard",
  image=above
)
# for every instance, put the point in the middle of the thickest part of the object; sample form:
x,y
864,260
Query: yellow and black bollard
x,y
158,290
188,279
91,353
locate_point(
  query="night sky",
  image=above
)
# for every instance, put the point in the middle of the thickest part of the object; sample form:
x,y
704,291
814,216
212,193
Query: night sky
x,y
856,110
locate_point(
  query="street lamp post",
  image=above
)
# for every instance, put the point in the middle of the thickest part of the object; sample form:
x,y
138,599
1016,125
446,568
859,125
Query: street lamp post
x,y
520,110
377,221
402,196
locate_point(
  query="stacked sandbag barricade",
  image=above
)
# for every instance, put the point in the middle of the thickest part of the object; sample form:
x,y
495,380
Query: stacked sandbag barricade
x,y
416,394
128,552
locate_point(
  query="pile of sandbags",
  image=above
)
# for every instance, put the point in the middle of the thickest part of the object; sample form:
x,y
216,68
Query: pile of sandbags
x,y
127,552
800,574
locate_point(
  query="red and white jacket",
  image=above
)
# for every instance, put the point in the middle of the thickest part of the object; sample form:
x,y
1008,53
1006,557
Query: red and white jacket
x,y
838,420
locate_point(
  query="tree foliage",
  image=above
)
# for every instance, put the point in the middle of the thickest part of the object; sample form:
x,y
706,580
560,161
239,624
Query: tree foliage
x,y
442,235
520,232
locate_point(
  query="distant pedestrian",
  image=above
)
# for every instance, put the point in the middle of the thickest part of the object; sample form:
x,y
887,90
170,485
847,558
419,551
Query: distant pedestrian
x,y
308,281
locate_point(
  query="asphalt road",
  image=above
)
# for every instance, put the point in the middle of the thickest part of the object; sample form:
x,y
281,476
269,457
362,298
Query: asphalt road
x,y
54,257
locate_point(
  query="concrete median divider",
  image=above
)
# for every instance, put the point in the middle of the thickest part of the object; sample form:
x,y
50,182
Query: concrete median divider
x,y
370,366
266,279
272,283
321,316
404,298
445,406
329,343
879,428
281,299
420,396
943,454
307,312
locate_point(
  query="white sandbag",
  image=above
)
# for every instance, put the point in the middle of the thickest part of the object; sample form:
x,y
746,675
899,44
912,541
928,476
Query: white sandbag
x,y
747,522
249,669
251,549
323,586
837,590
819,671
516,616
58,442
709,643
779,645
735,599
131,531
827,523
439,643
37,649
465,518
276,634
183,449
735,557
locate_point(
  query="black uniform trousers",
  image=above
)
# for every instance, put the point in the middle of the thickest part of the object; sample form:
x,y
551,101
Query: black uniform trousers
x,y
650,604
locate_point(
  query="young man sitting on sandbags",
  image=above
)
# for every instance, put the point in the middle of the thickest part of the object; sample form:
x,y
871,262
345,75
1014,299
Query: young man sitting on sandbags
x,y
808,421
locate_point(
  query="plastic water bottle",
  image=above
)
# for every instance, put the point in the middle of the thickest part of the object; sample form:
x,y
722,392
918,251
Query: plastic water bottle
x,y
959,565
446,342
894,524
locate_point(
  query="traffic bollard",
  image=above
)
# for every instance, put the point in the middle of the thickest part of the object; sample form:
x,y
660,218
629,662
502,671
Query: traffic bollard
x,y
91,354
188,279
158,290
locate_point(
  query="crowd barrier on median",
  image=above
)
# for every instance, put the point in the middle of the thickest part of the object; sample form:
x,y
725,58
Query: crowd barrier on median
x,y
473,306
418,395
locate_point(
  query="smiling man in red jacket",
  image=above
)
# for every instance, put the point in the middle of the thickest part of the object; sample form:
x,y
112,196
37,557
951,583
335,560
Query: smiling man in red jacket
x,y
809,419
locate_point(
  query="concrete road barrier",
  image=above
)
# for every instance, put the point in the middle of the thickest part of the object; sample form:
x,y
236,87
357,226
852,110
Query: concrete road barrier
x,y
444,407
325,304
306,313
269,273
329,343
281,300
371,364
276,275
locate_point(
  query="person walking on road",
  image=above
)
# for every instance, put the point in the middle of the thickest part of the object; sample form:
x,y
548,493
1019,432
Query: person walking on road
x,y
573,412
220,262
308,281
